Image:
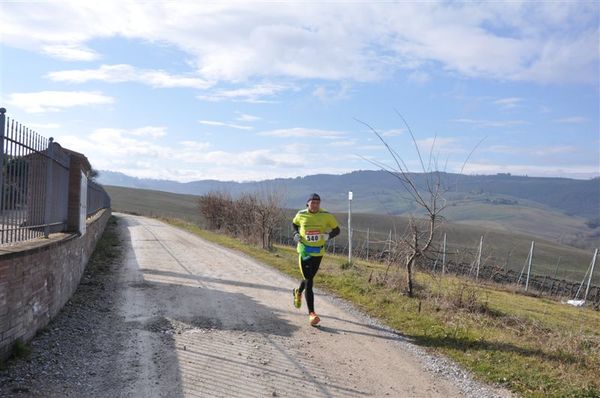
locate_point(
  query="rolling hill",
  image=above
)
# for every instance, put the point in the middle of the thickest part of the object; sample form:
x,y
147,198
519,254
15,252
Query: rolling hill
x,y
507,248
561,210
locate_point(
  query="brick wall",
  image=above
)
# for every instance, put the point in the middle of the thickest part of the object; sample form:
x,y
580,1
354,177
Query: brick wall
x,y
37,281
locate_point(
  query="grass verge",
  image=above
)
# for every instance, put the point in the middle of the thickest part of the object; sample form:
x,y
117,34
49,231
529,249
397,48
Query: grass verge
x,y
534,347
108,247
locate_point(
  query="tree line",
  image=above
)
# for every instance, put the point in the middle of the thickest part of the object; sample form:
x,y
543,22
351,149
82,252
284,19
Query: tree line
x,y
252,217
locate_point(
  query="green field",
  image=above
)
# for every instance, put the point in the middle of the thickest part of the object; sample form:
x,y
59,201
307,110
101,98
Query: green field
x,y
501,247
154,203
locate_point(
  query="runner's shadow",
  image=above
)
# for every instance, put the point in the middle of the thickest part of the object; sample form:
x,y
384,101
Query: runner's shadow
x,y
380,332
209,279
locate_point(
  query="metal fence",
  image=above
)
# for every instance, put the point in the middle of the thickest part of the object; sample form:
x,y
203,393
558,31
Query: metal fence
x,y
97,198
34,184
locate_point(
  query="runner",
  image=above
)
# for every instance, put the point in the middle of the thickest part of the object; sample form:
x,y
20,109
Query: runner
x,y
313,226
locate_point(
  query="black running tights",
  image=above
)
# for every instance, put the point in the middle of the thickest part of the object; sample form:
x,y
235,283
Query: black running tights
x,y
309,269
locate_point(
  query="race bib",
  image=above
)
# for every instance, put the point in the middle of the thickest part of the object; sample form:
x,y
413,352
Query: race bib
x,y
313,235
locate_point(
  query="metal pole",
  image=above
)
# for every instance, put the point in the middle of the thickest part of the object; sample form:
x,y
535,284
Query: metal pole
x,y
350,227
529,265
444,256
587,289
367,244
556,269
2,132
479,257
47,215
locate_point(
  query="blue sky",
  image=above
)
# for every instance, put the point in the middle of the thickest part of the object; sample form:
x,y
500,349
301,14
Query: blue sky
x,y
243,91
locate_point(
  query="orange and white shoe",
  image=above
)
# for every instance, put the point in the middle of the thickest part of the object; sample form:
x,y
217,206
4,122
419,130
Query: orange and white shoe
x,y
313,319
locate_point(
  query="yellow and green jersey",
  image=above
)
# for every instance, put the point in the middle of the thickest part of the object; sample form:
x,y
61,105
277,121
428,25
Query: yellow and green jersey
x,y
311,227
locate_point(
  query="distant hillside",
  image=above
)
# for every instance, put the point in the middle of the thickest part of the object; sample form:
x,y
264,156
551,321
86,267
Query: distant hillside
x,y
573,197
501,247
558,209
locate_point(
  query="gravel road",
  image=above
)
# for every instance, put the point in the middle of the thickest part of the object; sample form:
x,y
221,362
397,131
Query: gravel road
x,y
178,316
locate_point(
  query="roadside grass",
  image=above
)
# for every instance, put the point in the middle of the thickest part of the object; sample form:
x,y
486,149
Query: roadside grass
x,y
108,247
534,347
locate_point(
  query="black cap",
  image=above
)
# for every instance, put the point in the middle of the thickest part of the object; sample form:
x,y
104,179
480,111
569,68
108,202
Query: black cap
x,y
313,196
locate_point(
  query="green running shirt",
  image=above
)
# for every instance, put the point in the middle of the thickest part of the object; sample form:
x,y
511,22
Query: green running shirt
x,y
312,226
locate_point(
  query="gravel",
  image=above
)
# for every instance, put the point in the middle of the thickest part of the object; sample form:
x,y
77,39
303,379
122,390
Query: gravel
x,y
73,356
435,364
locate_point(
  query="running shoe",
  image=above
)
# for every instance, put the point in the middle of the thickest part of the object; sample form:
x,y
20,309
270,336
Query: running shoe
x,y
297,298
314,319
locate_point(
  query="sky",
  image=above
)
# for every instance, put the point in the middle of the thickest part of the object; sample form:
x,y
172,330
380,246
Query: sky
x,y
254,90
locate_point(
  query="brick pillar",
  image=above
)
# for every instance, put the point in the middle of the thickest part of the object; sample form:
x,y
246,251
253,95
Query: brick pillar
x,y
78,164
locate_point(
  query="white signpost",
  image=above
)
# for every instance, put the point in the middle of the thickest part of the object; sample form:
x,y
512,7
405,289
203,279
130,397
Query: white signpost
x,y
350,227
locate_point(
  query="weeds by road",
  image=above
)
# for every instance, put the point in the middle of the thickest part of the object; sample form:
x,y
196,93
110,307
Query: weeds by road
x,y
535,347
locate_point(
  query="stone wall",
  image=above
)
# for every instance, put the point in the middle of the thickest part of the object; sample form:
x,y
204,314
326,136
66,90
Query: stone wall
x,y
38,278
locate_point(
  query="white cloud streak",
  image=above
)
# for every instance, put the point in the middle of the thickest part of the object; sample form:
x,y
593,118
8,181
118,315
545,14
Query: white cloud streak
x,y
254,94
126,73
71,52
51,101
248,118
532,151
301,132
508,103
222,124
572,120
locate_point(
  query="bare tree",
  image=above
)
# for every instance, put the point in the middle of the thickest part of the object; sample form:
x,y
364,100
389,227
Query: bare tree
x,y
415,245
269,216
252,217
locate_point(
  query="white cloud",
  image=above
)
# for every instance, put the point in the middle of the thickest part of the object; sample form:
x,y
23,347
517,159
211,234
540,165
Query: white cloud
x,y
490,123
235,41
50,101
195,145
303,133
532,151
149,131
327,94
126,73
139,152
572,120
248,118
508,103
71,52
343,144
221,124
254,94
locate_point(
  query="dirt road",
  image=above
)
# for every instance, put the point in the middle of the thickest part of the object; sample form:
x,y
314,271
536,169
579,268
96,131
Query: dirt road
x,y
191,318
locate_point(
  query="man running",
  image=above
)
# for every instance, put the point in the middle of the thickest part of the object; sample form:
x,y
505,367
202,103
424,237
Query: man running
x,y
313,227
